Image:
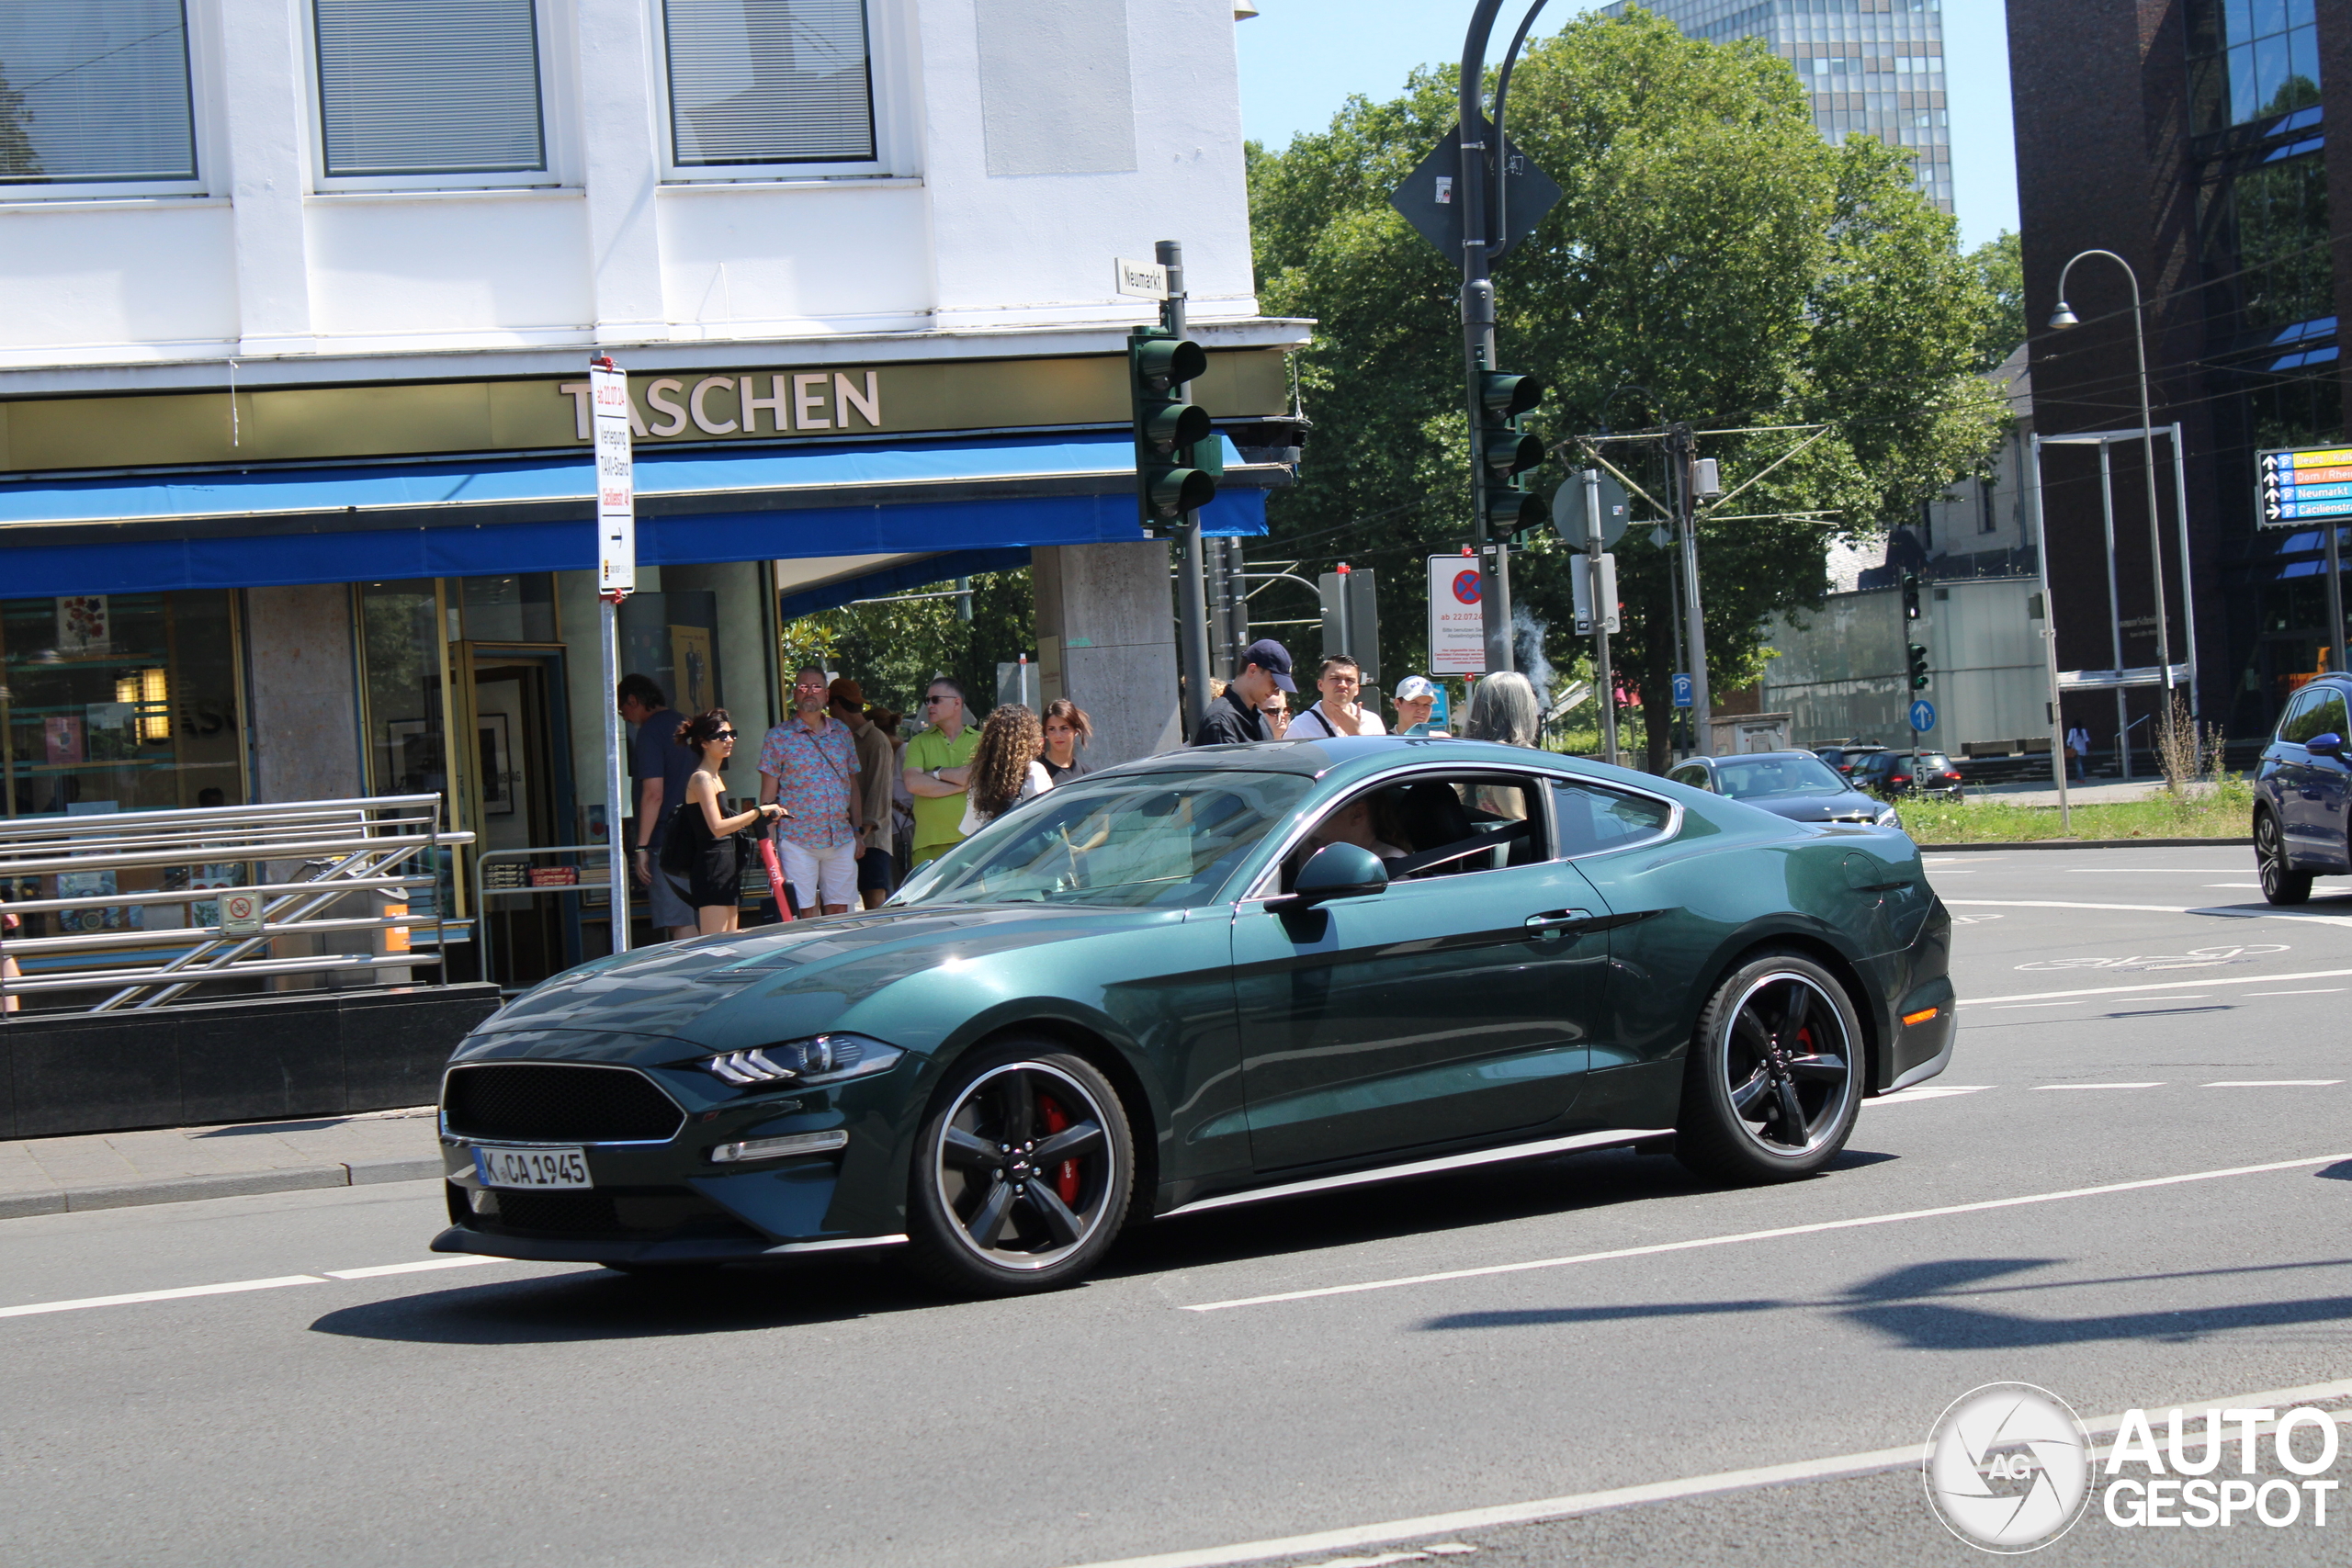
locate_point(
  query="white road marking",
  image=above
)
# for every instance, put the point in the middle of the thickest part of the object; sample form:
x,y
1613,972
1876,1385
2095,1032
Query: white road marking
x,y
1902,1458
1928,1092
1816,1228
2146,871
2162,985
2157,1085
380,1270
2317,991
2273,1083
185,1291
2222,911
234,1287
2003,1007
2233,884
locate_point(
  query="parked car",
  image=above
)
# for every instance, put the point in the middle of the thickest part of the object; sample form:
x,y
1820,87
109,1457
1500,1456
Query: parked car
x,y
1795,785
1892,773
1205,978
1846,753
2300,788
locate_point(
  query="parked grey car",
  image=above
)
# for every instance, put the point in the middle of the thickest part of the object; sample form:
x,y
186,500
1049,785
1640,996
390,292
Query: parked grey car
x,y
1795,785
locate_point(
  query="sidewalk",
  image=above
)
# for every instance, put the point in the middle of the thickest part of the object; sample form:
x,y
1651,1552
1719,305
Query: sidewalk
x,y
2042,792
172,1165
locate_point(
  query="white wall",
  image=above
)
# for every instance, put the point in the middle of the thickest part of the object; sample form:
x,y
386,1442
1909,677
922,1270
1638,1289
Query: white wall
x,y
1024,145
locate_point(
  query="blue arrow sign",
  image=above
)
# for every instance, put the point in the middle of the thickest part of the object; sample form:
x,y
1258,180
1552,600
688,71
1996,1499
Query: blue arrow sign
x,y
1683,691
2290,491
1923,715
2289,510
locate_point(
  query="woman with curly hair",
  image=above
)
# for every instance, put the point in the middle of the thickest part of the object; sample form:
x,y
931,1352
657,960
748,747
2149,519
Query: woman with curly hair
x,y
1005,768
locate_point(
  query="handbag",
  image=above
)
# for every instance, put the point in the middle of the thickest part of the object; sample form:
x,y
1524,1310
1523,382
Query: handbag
x,y
676,859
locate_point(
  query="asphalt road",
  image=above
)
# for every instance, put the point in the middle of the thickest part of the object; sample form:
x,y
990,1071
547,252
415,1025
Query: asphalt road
x,y
2151,1058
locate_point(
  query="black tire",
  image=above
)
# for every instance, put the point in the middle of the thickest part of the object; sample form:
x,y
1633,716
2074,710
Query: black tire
x,y
2280,884
1027,1118
1768,1095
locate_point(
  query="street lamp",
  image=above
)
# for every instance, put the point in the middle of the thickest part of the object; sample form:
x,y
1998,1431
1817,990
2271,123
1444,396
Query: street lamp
x,y
2060,320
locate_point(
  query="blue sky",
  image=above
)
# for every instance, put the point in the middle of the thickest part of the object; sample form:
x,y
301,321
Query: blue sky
x,y
1300,59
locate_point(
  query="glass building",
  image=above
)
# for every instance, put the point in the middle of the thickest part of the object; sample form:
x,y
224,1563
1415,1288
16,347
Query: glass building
x,y
1875,67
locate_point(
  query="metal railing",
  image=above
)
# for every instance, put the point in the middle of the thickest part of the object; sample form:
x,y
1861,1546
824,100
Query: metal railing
x,y
485,890
301,864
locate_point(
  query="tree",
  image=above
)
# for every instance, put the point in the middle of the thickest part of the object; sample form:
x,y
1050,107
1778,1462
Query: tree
x,y
1710,260
2001,264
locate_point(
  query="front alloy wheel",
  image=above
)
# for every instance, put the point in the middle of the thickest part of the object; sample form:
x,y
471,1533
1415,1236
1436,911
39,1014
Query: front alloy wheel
x,y
1022,1173
2280,883
1775,1077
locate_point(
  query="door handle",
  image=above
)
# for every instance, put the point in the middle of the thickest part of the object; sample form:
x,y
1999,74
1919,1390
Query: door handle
x,y
1557,922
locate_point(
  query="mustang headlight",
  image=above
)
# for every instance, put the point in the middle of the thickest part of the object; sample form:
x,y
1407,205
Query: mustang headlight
x,y
820,1059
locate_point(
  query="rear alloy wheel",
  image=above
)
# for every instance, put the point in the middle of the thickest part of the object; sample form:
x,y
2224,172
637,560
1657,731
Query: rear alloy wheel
x,y
1775,1075
2281,883
1021,1174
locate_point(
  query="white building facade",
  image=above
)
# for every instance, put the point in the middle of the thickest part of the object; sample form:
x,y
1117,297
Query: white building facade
x,y
301,294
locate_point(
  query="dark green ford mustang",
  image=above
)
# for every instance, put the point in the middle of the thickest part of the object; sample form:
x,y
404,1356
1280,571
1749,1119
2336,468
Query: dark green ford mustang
x,y
1205,978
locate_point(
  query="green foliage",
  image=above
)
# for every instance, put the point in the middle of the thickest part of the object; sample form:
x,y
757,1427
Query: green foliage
x,y
1710,260
2001,264
2221,810
896,648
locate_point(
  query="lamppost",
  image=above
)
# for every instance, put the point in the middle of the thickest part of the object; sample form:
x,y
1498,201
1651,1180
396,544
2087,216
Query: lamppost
x,y
2062,320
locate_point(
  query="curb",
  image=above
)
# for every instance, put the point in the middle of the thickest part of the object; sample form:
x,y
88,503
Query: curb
x,y
2090,844
230,1184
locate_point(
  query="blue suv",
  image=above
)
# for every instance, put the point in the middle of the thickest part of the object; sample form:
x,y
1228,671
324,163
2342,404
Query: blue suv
x,y
2299,792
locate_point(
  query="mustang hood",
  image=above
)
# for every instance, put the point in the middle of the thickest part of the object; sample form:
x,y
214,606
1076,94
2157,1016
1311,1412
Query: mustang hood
x,y
781,982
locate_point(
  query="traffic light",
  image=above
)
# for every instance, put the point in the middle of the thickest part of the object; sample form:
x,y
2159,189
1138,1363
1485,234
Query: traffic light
x,y
1504,452
1910,595
1168,480
1919,667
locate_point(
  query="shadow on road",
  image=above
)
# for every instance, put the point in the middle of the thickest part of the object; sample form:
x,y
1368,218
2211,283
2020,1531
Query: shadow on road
x,y
1898,1304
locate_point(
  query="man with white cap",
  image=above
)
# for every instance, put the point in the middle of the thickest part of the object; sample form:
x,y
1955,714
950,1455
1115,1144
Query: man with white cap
x,y
1416,700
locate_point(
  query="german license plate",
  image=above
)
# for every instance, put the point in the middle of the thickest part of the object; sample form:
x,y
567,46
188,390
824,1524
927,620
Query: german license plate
x,y
531,1168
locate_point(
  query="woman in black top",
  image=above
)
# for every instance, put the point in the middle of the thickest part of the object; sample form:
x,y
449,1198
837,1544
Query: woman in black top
x,y
1067,729
699,856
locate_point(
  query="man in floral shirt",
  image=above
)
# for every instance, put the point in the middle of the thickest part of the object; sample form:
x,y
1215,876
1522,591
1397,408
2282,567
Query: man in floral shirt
x,y
809,763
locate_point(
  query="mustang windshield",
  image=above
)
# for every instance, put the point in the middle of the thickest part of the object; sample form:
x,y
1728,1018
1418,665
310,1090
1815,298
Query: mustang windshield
x,y
1162,838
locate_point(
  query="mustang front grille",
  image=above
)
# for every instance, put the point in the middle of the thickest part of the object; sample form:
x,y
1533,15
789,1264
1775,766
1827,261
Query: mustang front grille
x,y
555,1102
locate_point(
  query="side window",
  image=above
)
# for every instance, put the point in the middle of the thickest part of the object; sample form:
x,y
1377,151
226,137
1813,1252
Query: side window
x,y
2301,722
1695,776
2328,718
1593,818
1436,825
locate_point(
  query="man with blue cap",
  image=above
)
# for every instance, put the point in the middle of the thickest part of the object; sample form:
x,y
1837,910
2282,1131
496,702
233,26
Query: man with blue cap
x,y
1233,719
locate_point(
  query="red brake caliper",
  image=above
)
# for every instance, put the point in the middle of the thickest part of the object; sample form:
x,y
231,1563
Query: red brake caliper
x,y
1056,1119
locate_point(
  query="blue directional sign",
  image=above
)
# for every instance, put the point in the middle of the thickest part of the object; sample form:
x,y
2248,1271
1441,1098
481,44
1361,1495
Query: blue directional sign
x,y
2301,486
1923,715
1683,691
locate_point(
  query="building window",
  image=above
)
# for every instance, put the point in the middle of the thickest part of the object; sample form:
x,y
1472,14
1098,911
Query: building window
x,y
2268,249
121,702
94,90
768,82
428,87
2249,59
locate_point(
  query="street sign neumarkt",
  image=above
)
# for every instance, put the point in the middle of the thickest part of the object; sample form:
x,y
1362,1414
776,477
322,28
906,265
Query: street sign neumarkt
x,y
2302,486
1140,279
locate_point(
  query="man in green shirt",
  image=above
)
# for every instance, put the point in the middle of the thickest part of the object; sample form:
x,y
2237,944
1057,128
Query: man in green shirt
x,y
935,771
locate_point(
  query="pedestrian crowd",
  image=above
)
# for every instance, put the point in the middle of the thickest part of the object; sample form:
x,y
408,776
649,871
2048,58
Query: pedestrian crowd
x,y
850,807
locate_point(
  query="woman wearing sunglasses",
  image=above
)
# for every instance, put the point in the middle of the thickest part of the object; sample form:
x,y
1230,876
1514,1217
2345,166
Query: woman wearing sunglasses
x,y
698,852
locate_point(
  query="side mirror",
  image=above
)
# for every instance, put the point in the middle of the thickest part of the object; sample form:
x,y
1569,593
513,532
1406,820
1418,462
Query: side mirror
x,y
1338,871
2328,745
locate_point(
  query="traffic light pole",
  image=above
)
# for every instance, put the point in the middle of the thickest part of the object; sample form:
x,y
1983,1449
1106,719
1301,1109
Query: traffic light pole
x,y
1192,597
1681,461
1478,327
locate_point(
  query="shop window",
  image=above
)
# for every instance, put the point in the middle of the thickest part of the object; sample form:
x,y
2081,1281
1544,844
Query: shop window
x,y
673,637
509,609
428,86
94,90
401,632
124,702
768,82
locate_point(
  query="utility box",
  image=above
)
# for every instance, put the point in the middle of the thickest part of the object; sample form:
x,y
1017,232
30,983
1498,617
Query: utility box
x,y
1740,735
1352,624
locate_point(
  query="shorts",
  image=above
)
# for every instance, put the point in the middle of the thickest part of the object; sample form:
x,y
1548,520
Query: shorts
x,y
667,897
831,874
874,872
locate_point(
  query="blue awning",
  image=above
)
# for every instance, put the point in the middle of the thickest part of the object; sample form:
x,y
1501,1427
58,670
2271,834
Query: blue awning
x,y
462,518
